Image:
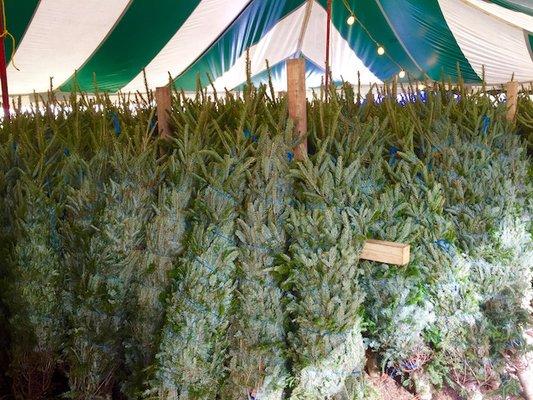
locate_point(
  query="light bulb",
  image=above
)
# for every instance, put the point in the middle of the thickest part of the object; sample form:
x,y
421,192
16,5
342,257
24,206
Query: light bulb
x,y
402,74
381,50
351,20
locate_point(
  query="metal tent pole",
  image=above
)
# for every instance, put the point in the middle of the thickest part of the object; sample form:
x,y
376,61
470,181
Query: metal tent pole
x,y
3,65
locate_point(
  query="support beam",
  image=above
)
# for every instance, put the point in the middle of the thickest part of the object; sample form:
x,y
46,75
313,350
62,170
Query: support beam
x,y
297,101
163,102
386,252
3,65
512,100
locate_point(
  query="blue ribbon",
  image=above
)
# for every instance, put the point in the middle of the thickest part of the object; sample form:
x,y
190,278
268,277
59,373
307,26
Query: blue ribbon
x,y
392,152
116,123
248,135
444,245
485,124
290,156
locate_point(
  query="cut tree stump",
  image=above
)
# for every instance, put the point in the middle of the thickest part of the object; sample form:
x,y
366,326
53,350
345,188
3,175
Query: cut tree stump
x,y
386,252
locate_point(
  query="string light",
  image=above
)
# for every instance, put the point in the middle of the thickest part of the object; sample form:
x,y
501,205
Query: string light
x,y
381,50
402,74
351,20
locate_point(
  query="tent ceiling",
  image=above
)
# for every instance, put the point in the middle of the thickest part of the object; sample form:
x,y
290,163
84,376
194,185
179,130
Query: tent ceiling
x,y
114,40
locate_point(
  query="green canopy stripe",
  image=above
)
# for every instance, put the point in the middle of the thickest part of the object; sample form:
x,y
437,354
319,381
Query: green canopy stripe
x,y
359,40
427,37
141,33
393,28
18,17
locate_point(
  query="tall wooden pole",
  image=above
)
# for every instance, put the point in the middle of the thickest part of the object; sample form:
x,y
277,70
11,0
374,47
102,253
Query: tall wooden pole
x,y
297,101
3,65
512,100
328,38
163,102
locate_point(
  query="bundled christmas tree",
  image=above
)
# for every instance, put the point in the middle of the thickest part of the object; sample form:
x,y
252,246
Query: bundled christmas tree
x,y
193,351
416,309
165,234
488,200
327,236
258,367
105,245
34,291
6,244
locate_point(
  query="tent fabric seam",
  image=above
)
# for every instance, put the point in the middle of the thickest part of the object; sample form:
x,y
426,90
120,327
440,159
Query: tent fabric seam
x,y
301,38
222,33
492,15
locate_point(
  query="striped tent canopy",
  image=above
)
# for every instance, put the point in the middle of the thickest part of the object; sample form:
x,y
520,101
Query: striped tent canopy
x,y
70,44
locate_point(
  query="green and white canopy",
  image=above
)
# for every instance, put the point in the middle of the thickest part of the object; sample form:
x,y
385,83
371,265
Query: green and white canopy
x,y
114,40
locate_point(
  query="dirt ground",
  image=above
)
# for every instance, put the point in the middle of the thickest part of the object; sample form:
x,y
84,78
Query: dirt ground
x,y
389,389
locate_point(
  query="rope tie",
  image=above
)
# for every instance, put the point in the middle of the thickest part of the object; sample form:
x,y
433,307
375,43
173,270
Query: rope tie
x,y
5,33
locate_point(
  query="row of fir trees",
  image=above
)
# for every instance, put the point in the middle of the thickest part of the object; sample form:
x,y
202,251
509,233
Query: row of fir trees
x,y
213,265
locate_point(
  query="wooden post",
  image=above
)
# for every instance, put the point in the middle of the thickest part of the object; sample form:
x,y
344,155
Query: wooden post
x,y
370,96
163,102
386,252
512,100
297,101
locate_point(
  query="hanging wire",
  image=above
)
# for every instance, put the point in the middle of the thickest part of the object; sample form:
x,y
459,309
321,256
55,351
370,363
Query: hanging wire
x,y
363,27
6,33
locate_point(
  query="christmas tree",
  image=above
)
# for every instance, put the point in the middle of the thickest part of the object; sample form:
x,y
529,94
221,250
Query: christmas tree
x,y
258,367
193,351
327,235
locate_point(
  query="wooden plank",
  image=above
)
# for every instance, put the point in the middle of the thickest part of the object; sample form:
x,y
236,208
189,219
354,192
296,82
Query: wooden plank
x,y
163,102
512,100
296,98
386,252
